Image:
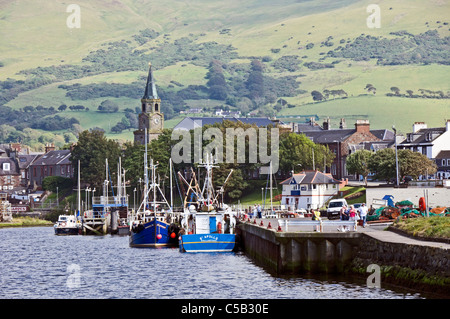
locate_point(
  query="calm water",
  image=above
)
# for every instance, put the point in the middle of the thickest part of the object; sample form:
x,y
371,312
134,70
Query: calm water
x,y
37,264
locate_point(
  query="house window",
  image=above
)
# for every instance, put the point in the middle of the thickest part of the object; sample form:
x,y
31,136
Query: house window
x,y
62,170
34,171
6,166
448,162
8,179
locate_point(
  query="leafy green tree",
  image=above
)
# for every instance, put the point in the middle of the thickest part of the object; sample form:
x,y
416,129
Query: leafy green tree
x,y
382,164
317,96
358,163
410,163
298,152
92,150
108,106
51,182
415,164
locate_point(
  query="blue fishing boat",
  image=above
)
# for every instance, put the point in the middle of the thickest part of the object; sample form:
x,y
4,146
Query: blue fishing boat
x,y
207,224
154,224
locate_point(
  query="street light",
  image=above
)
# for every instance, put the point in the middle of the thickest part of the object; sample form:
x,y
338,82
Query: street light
x,y
262,195
396,156
134,198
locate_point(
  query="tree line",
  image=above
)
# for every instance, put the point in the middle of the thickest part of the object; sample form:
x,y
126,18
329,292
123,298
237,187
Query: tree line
x,y
296,152
382,164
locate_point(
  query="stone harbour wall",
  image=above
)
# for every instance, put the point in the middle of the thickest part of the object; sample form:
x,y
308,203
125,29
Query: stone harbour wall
x,y
420,267
417,266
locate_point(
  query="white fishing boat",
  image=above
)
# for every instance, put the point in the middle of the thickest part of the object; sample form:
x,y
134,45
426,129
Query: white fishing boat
x,y
207,225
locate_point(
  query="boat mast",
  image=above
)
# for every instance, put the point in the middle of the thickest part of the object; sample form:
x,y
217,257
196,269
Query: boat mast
x,y
79,191
171,193
271,203
145,174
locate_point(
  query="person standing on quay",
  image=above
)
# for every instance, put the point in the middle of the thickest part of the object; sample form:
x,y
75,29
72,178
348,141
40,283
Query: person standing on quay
x,y
352,213
363,213
343,212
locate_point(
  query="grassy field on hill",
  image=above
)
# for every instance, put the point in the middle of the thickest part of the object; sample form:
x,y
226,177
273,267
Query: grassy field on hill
x,y
35,35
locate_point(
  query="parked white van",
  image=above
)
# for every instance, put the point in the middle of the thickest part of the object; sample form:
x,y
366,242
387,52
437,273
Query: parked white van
x,y
334,207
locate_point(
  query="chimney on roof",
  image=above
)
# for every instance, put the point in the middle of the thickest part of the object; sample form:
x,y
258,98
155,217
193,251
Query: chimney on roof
x,y
362,126
49,147
327,124
417,126
342,124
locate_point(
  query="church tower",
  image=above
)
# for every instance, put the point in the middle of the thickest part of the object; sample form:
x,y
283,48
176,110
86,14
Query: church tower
x,y
151,117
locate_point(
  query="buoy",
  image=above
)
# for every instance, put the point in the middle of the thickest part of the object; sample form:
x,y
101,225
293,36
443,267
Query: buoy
x,y
159,236
261,224
254,222
269,226
422,204
279,229
173,235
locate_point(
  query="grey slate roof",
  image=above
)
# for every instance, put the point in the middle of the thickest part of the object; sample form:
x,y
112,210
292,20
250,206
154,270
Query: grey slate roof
x,y
310,177
188,122
12,167
420,137
443,154
25,160
54,158
329,136
340,135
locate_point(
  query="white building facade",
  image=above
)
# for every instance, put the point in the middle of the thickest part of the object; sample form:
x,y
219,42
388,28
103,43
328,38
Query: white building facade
x,y
308,190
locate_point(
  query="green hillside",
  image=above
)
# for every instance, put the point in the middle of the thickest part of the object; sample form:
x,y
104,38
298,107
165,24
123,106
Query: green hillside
x,y
302,46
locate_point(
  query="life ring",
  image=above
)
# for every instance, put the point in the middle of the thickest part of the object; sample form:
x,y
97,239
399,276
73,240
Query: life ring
x,y
422,204
63,224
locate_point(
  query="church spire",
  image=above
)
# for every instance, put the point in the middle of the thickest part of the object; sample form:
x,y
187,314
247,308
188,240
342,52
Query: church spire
x,y
150,88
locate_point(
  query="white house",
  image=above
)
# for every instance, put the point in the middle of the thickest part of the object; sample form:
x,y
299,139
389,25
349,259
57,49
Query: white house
x,y
428,141
308,189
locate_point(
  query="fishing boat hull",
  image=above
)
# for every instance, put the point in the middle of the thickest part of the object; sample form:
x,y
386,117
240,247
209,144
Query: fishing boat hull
x,y
207,243
67,230
144,235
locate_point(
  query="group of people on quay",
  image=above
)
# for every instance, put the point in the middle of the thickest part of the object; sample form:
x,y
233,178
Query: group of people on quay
x,y
351,213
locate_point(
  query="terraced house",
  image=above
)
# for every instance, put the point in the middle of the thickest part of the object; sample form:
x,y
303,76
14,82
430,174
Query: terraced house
x,y
433,142
52,163
9,174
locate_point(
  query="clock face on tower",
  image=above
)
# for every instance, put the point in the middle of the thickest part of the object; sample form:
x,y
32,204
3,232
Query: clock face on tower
x,y
156,122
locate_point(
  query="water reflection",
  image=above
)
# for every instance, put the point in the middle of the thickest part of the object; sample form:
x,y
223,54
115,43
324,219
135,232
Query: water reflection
x,y
37,264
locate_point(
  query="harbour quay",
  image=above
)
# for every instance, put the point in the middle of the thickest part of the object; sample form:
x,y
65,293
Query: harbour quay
x,y
402,260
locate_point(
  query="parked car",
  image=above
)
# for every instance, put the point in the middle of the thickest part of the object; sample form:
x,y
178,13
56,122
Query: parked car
x,y
334,208
300,212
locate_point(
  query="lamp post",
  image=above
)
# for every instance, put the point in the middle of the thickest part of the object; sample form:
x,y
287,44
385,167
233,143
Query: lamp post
x,y
134,199
396,155
262,195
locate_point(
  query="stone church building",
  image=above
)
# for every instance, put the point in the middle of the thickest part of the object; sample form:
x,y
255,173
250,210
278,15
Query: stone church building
x,y
151,119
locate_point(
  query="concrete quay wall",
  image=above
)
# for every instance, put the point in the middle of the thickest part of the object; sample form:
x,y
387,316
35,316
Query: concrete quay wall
x,y
403,261
289,252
